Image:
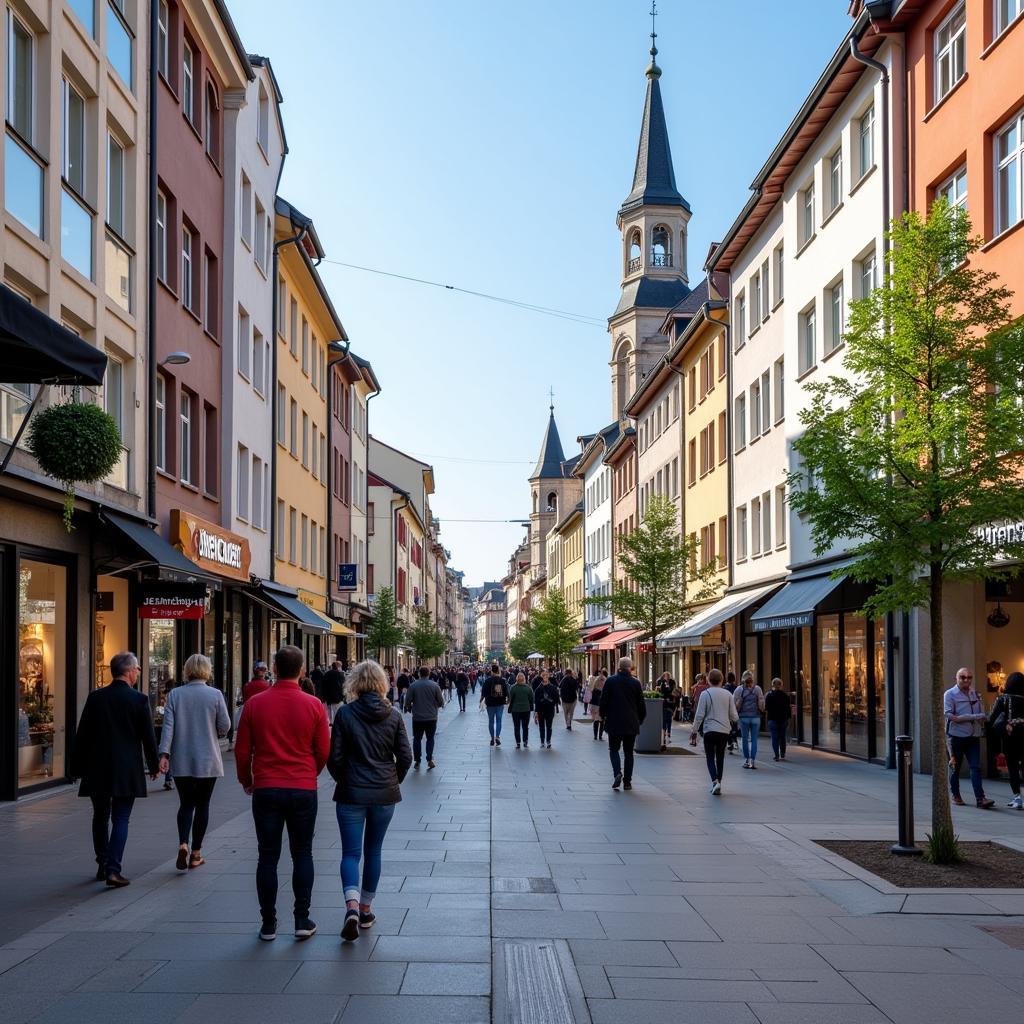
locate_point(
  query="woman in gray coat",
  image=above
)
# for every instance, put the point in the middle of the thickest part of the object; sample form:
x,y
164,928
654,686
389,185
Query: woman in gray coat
x,y
195,717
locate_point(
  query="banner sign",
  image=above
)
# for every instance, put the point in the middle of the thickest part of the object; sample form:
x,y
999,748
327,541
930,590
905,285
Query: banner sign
x,y
348,576
210,546
172,600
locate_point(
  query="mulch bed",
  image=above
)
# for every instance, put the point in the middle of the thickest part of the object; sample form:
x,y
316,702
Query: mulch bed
x,y
988,865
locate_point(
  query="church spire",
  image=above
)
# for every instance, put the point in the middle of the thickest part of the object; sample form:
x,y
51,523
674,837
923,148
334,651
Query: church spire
x,y
654,179
549,462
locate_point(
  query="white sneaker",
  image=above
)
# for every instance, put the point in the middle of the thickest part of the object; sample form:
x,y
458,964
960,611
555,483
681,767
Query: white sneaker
x,y
1018,802
716,789
713,784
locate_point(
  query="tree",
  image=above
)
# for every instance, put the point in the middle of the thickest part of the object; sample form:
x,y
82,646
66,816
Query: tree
x,y
524,643
909,461
424,637
554,627
661,580
384,632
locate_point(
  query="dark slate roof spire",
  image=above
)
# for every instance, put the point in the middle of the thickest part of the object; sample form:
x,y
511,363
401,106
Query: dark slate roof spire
x,y
654,179
549,462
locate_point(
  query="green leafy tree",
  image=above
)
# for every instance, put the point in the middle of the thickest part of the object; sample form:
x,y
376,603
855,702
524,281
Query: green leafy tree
x,y
424,637
908,462
661,580
524,643
384,632
555,628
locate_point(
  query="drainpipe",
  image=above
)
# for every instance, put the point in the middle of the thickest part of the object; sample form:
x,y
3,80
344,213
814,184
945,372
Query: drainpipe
x,y
151,285
331,363
274,314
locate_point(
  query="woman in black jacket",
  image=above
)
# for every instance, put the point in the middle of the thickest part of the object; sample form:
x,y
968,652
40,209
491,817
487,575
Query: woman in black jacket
x,y
547,701
370,757
1007,721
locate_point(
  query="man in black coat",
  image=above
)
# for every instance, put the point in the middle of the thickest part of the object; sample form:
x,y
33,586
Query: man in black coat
x,y
115,730
622,711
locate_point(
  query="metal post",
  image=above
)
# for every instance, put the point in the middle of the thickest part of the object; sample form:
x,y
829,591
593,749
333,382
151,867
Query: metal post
x,y
905,768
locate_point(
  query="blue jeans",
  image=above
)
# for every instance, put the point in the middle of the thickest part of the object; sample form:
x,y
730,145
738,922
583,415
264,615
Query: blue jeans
x,y
969,746
749,726
778,731
274,808
362,828
494,716
110,816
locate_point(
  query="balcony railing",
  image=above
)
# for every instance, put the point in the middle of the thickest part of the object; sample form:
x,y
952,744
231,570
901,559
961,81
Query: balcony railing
x,y
634,265
661,259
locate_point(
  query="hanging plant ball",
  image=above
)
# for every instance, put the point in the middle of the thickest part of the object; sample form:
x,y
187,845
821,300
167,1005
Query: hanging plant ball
x,y
74,442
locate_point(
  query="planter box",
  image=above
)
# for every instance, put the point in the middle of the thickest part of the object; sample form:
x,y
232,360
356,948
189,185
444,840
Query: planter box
x,y
649,740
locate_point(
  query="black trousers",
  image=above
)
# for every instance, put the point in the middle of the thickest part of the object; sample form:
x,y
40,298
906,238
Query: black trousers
x,y
462,700
714,750
598,728
419,730
521,725
626,743
193,808
273,810
547,719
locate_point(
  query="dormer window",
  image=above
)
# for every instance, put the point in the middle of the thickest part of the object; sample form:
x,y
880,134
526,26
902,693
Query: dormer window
x,y
661,247
635,252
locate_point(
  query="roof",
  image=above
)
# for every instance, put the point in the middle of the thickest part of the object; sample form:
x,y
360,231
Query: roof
x,y
602,440
576,510
264,62
549,462
570,465
651,293
368,374
654,179
621,445
690,305
236,42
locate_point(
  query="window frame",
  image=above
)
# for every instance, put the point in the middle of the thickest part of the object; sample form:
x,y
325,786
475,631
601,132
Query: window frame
x,y
188,241
185,445
161,236
188,81
163,39
940,51
1015,157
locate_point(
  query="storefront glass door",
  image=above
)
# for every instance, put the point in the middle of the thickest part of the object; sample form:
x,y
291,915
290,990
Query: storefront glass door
x,y
855,683
804,682
161,663
828,682
42,671
881,732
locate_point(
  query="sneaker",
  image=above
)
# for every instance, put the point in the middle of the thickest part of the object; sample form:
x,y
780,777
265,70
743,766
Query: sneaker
x,y
492,741
430,764
101,873
627,785
415,766
268,930
713,784
367,920
304,928
617,781
182,862
517,746
716,789
350,930
497,741
1017,802
776,757
985,803
753,764
746,764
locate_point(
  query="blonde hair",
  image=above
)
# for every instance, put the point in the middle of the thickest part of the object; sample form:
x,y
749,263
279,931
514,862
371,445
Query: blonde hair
x,y
366,677
198,666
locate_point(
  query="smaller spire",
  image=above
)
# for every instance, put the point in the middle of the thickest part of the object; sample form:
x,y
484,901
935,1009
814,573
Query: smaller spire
x,y
653,71
551,395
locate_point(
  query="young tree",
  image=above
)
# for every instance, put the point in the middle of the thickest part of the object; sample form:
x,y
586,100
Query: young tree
x,y
661,581
555,629
424,637
910,461
384,632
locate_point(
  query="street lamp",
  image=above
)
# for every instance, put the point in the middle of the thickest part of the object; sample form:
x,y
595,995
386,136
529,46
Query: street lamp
x,y
176,359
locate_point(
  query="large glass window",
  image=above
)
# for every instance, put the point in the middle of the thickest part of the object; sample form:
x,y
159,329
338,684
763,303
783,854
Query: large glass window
x,y
115,185
42,671
829,680
855,684
23,173
954,188
881,733
161,663
23,186
73,149
119,41
866,141
804,683
75,233
86,11
1006,11
20,77
950,50
1009,179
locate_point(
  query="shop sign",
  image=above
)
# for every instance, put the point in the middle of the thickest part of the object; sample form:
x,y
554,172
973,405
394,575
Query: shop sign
x,y
210,545
348,576
794,621
172,601
998,535
315,601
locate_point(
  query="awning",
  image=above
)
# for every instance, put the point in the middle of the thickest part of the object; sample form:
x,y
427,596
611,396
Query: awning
x,y
148,547
331,625
691,633
35,349
613,640
535,657
794,604
594,634
284,600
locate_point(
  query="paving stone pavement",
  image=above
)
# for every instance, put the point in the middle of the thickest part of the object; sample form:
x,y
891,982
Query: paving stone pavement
x,y
519,887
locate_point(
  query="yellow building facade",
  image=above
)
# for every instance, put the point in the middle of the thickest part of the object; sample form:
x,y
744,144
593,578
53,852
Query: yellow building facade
x,y
571,577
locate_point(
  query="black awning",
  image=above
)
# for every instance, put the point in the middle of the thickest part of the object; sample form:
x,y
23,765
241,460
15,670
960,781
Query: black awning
x,y
148,546
284,601
35,349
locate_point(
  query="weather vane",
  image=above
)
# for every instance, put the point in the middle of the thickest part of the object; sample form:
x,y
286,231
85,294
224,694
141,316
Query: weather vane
x,y
551,394
654,29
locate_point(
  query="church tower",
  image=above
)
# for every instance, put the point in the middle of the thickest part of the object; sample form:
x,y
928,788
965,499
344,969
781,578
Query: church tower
x,y
653,220
553,492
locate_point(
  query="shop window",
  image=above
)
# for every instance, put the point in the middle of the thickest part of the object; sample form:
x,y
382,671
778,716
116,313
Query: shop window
x,y
161,663
828,681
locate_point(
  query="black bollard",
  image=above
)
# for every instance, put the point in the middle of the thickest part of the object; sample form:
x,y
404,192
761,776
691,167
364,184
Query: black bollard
x,y
905,781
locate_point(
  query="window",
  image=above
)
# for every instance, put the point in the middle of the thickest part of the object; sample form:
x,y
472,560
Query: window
x,y
211,123
866,275
85,9
282,296
305,346
766,401
950,50
263,120
73,168
244,344
260,361
211,483
755,302
755,526
723,448
259,253
305,440
866,141
835,180
113,392
693,461
780,516
764,293
807,214
780,262
259,470
837,318
293,319
954,188
293,418
161,422
693,390
755,410
163,21
1006,11
185,447
115,186
316,454
766,521
23,174
740,422
75,218
741,533
242,510
211,288
119,41
161,236
188,64
293,524
313,553
20,77
186,268
808,340
1009,176
281,424
741,319
245,211
723,541
279,529
780,389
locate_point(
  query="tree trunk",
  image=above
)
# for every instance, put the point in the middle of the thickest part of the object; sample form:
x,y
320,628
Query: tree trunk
x,y
942,815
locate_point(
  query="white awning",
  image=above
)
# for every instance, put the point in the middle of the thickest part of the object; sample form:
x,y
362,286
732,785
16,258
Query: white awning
x,y
691,633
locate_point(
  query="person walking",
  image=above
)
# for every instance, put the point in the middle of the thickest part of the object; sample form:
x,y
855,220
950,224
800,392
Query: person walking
x,y
623,710
402,683
258,683
282,746
715,717
730,686
494,696
195,717
749,700
965,722
369,760
595,703
114,735
461,688
1007,721
520,707
423,701
569,691
331,688
669,705
546,700
778,712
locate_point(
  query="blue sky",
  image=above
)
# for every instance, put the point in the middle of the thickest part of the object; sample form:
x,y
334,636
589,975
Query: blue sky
x,y
488,146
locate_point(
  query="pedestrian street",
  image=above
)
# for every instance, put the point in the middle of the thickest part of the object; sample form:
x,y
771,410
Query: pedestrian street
x,y
519,886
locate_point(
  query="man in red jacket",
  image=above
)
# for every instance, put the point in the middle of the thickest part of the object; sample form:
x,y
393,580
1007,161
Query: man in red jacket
x,y
282,746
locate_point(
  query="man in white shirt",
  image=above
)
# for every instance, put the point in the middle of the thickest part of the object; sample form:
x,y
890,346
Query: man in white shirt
x,y
965,723
716,713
